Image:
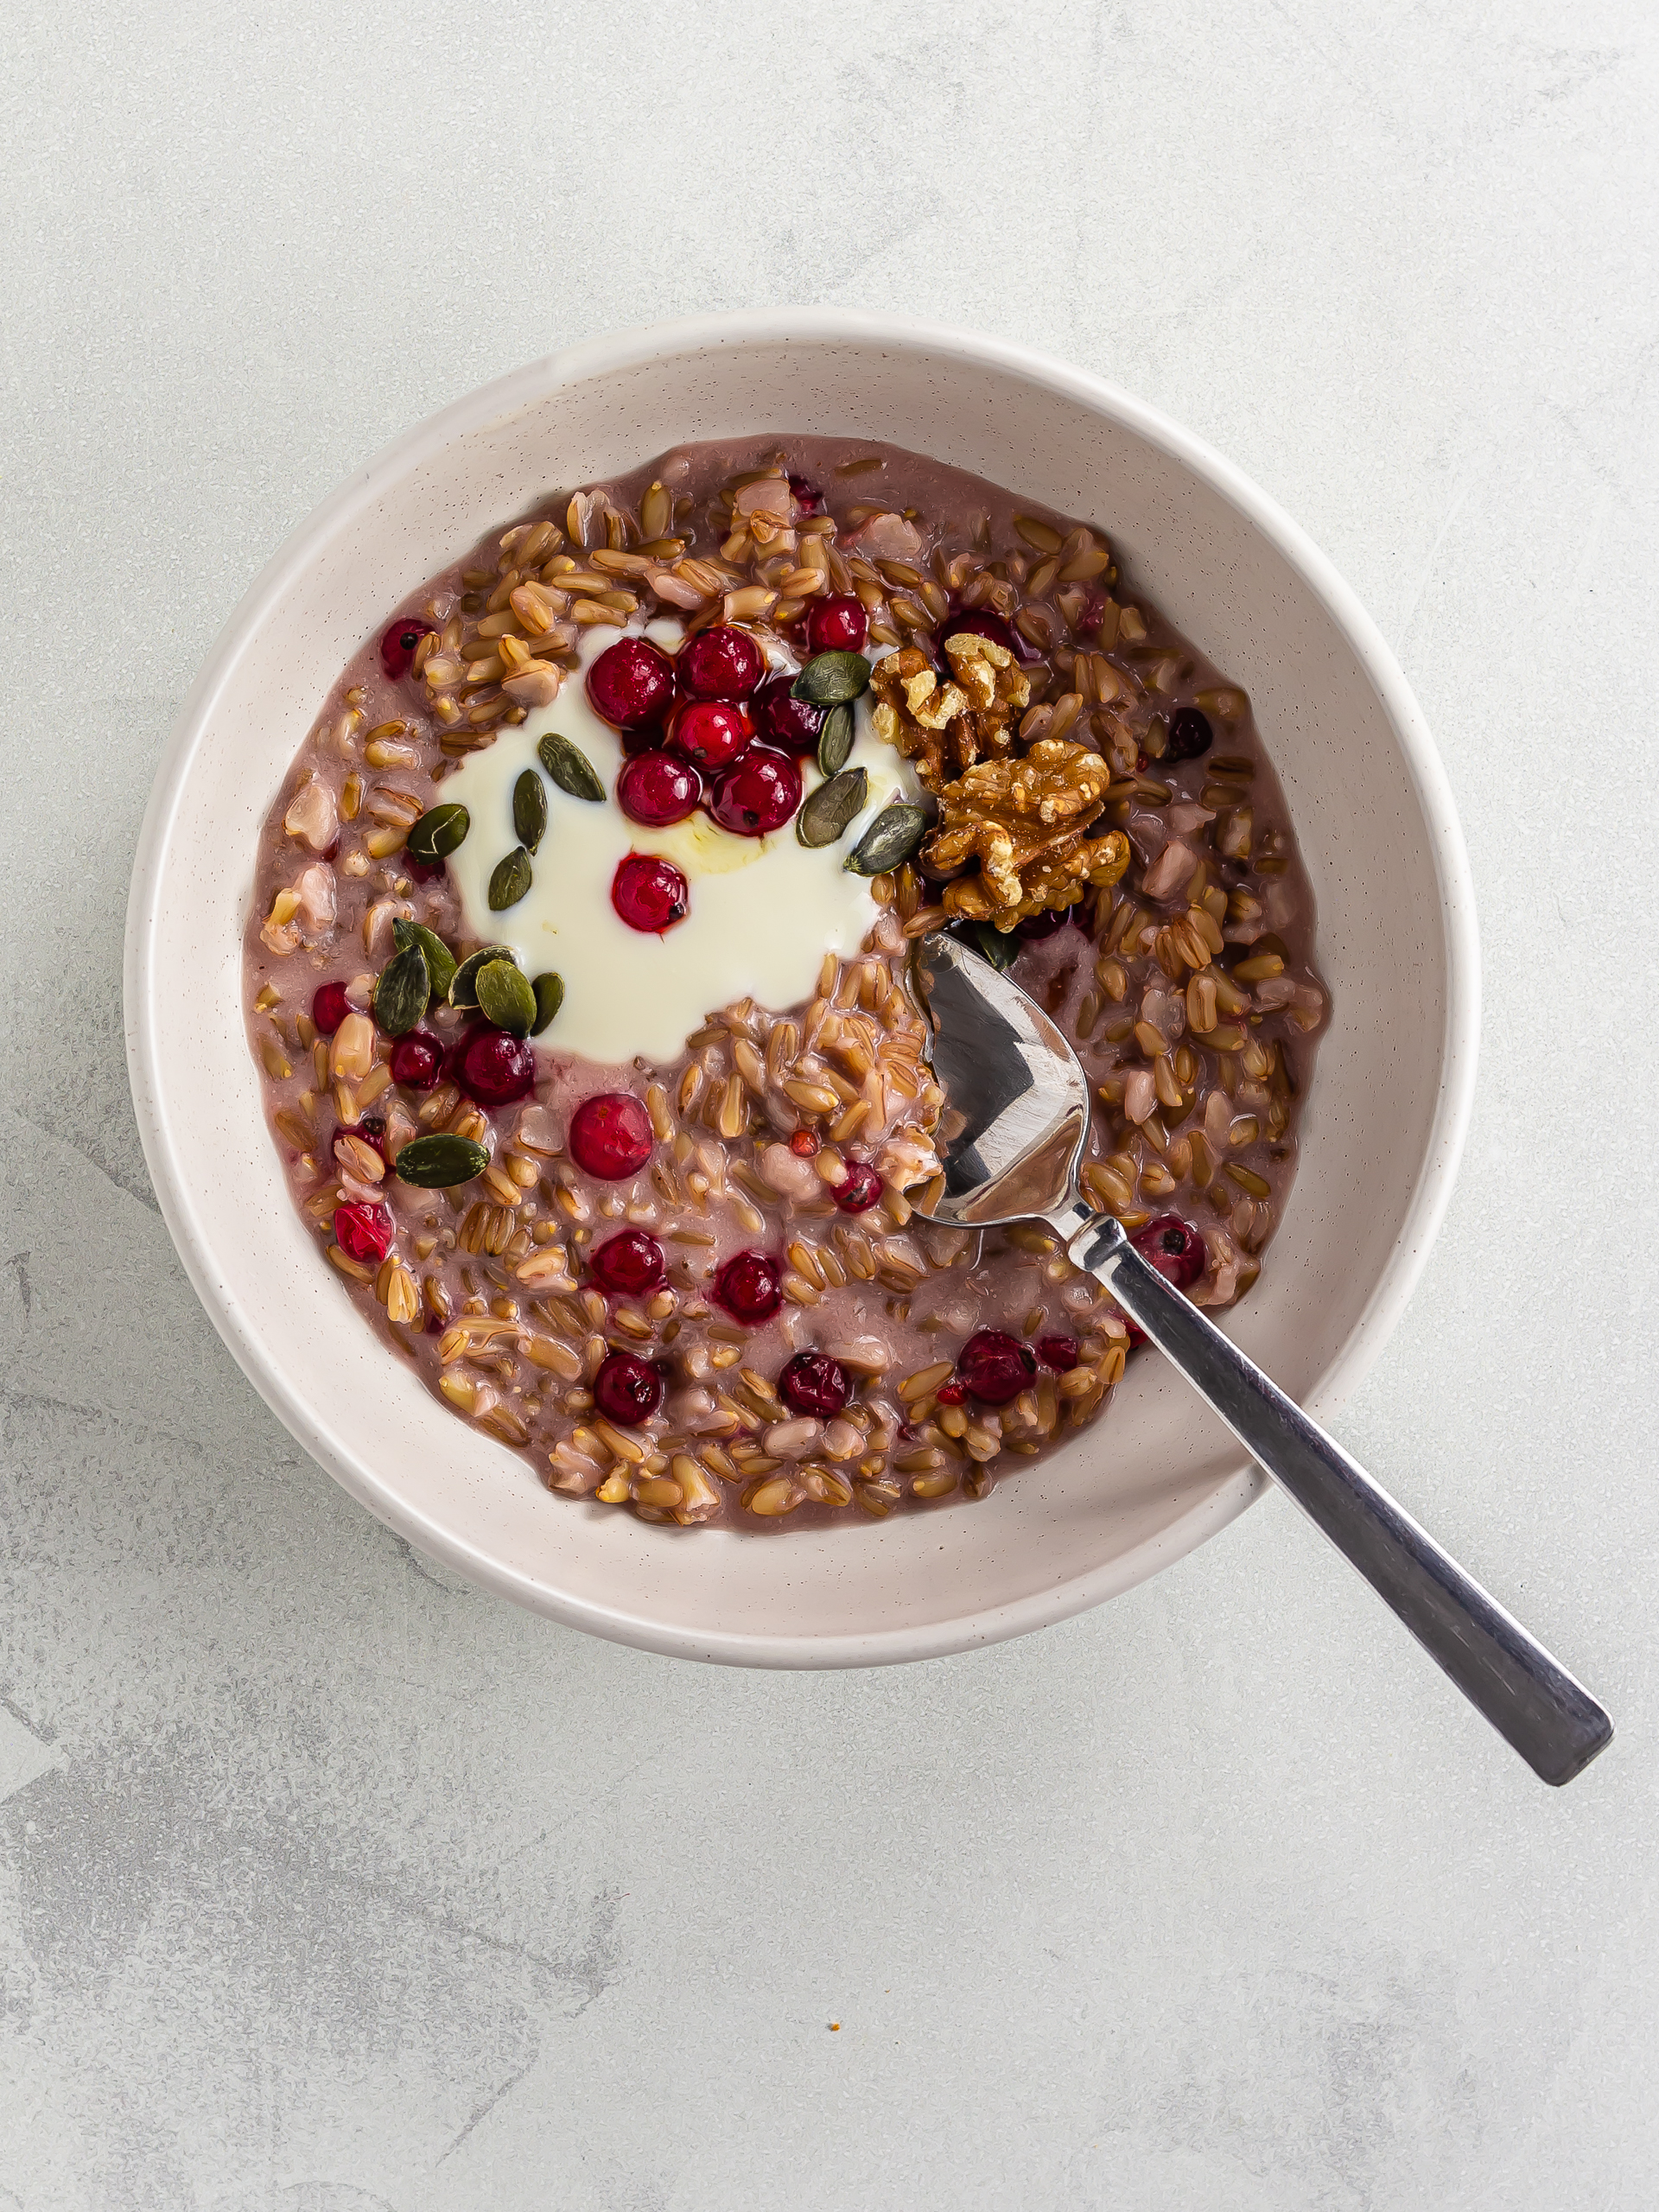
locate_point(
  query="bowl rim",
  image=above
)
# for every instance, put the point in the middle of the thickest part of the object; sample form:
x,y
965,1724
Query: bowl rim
x,y
1431,788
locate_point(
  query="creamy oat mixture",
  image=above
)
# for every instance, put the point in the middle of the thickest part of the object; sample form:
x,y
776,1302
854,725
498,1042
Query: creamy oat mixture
x,y
577,973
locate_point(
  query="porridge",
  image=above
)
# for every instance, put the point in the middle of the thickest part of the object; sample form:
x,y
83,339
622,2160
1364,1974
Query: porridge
x,y
577,973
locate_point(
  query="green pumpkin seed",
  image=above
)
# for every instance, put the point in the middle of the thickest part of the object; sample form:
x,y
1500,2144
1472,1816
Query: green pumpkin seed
x,y
835,741
831,807
999,947
829,678
530,810
569,767
401,994
505,996
892,836
549,997
510,881
463,984
440,961
440,830
438,1163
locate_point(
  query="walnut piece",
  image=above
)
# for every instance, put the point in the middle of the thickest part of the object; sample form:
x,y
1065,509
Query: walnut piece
x,y
1024,820
944,727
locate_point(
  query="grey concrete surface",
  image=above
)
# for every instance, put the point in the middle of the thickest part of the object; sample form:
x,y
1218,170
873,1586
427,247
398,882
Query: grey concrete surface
x,y
331,1886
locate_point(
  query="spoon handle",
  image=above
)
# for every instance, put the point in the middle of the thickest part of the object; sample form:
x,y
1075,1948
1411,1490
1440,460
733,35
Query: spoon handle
x,y
1528,1697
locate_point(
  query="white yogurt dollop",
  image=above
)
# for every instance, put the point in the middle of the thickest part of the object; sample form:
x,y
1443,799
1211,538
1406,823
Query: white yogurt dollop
x,y
763,911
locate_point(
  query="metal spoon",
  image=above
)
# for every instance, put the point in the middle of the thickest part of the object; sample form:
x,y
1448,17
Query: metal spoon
x,y
1016,1115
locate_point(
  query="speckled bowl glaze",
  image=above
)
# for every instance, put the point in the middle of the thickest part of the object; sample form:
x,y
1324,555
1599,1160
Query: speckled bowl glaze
x,y
1383,1124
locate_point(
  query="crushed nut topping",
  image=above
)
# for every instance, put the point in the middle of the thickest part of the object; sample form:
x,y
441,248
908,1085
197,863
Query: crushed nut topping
x,y
946,728
1024,820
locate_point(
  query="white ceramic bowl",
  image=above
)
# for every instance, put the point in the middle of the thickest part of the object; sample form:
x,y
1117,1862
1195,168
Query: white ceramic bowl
x,y
1383,1124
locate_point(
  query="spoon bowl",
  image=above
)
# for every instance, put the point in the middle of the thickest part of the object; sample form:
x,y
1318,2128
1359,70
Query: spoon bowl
x,y
1017,1110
